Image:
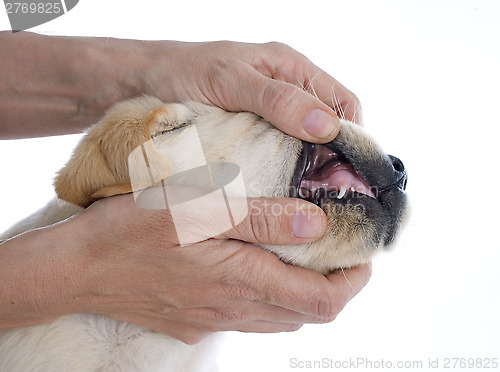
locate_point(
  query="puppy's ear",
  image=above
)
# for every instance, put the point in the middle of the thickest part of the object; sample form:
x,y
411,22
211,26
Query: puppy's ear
x,y
100,161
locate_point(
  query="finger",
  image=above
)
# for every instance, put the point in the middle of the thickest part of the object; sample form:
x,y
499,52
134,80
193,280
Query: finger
x,y
238,312
345,103
274,290
291,109
355,278
188,333
311,293
327,89
194,331
279,221
285,64
197,215
257,285
241,319
267,327
242,88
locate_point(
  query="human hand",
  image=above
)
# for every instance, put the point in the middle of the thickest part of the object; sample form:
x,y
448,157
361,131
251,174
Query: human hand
x,y
271,80
121,258
136,272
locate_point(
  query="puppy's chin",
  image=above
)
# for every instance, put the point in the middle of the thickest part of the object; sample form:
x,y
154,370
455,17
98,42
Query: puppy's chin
x,y
351,239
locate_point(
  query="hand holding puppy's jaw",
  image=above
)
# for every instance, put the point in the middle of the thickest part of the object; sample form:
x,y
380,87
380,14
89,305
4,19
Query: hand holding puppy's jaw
x,y
198,215
220,284
280,221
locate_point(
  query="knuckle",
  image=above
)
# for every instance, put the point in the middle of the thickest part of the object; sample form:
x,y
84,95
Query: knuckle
x,y
278,97
367,274
363,277
355,100
326,320
278,46
220,67
329,305
263,226
294,327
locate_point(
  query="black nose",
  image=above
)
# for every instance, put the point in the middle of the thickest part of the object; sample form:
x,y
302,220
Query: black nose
x,y
399,169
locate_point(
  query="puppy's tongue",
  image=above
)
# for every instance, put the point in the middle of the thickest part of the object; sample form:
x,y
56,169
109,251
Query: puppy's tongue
x,y
338,176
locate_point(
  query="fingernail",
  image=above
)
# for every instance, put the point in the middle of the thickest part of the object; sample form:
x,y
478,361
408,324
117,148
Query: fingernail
x,y
320,124
307,223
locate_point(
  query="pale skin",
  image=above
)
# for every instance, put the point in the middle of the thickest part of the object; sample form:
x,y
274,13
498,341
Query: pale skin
x,y
122,261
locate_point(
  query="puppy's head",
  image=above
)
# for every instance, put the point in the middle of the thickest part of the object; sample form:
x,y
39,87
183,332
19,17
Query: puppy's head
x,y
360,188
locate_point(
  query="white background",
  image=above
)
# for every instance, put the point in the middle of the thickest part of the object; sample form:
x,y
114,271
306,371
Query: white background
x,y
427,73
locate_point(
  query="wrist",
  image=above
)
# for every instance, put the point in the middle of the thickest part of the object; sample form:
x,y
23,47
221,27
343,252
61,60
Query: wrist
x,y
109,69
38,278
156,69
130,68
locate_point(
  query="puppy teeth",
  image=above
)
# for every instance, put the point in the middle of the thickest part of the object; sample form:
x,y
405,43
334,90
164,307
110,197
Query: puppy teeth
x,y
342,192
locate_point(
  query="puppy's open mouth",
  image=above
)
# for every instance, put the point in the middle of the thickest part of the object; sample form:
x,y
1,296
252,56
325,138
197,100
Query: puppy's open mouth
x,y
324,173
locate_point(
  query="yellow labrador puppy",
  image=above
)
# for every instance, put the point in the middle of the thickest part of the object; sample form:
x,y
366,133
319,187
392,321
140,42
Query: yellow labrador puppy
x,y
144,142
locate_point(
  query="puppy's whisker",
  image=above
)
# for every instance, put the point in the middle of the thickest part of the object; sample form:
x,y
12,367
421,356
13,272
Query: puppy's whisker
x,y
347,280
301,84
314,91
332,95
359,252
355,113
308,86
336,104
311,83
